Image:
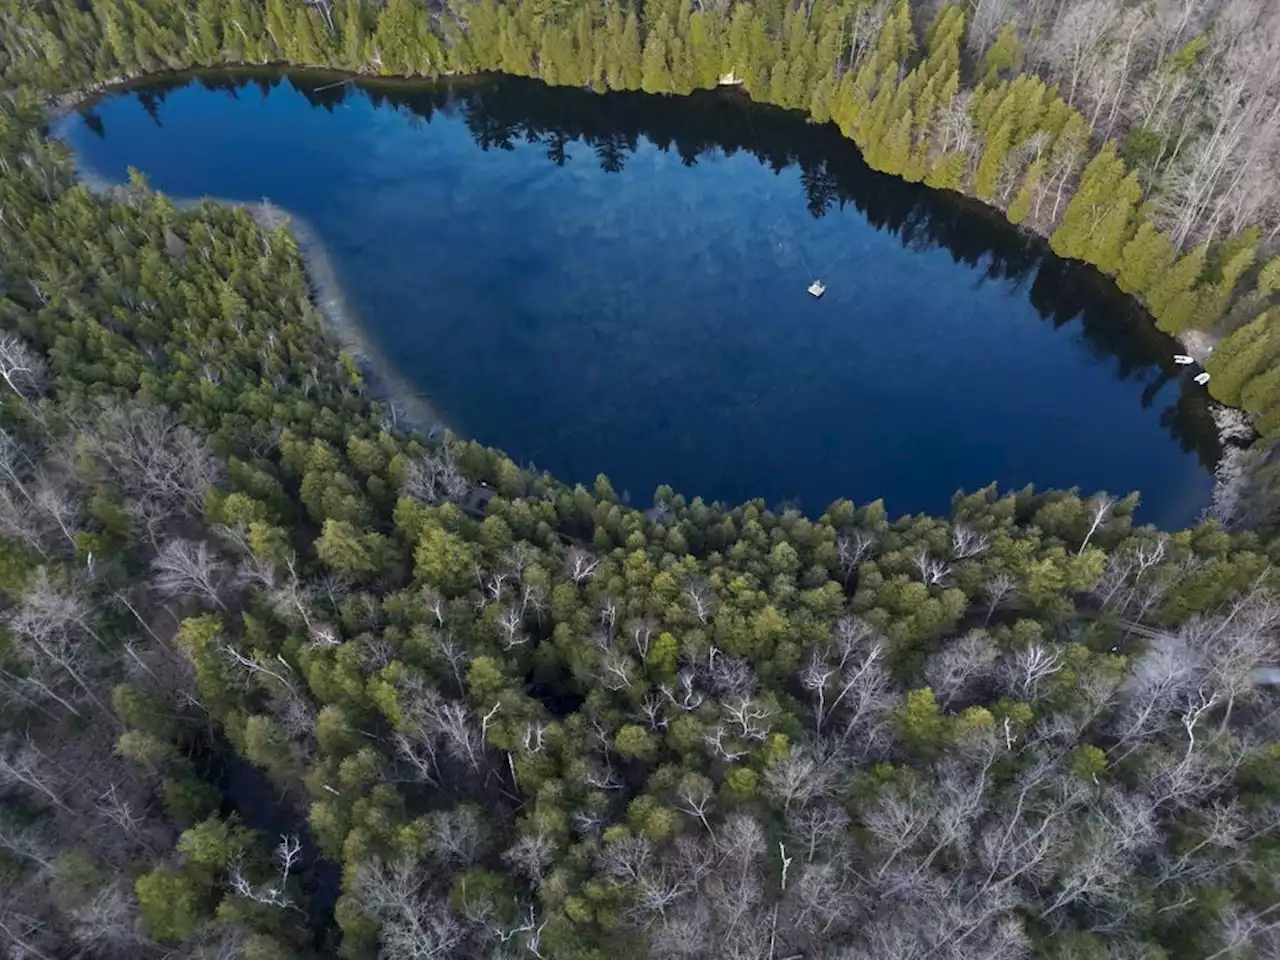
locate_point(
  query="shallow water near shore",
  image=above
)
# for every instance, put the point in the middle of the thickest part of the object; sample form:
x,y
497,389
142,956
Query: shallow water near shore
x,y
617,284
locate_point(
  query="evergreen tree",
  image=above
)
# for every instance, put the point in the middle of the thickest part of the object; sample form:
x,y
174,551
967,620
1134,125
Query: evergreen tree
x,y
983,104
917,165
823,94
1173,298
515,45
117,34
948,171
1021,205
1269,278
557,63
630,60
1261,394
894,153
586,50
1229,263
1145,259
280,24
898,39
304,45
1004,56
945,30
354,31
779,84
1242,356
705,48
679,58
683,79
1116,225
1096,224
397,38
205,30
244,33
1233,258
989,167
827,57
655,75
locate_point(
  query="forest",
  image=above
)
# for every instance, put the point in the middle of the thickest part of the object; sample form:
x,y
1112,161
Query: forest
x,y
282,678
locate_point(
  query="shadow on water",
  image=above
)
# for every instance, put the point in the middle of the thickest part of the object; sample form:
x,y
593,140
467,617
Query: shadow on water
x,y
502,113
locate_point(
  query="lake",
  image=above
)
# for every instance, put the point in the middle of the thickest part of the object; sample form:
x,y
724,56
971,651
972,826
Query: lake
x,y
617,284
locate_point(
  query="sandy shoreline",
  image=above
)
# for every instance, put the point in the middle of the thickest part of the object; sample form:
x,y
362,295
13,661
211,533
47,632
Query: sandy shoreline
x,y
410,409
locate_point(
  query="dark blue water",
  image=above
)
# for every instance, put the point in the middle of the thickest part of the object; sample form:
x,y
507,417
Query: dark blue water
x,y
617,284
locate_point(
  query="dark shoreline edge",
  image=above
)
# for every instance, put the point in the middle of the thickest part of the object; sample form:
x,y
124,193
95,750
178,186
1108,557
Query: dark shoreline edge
x,y
410,409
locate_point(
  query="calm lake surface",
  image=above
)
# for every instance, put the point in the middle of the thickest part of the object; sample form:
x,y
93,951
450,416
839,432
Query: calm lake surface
x,y
617,284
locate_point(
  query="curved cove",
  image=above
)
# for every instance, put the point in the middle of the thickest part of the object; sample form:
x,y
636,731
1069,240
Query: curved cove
x,y
616,284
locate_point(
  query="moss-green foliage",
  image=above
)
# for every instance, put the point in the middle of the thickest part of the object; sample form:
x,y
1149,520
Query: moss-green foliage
x,y
1005,55
1242,356
536,721
1144,260
1096,225
1174,297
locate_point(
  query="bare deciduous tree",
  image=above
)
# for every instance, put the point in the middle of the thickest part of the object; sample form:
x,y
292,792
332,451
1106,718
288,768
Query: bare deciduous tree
x,y
107,924
434,477
161,466
961,666
852,549
853,688
455,837
702,599
23,764
581,564
818,827
430,723
1099,509
22,369
933,572
798,777
967,543
996,589
25,840
415,924
52,636
1022,671
187,568
531,856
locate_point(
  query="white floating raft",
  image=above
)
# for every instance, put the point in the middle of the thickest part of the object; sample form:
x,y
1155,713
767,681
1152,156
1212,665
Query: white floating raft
x,y
1202,378
816,289
1181,359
